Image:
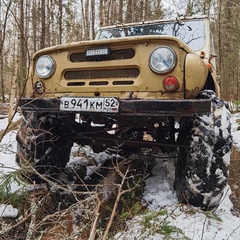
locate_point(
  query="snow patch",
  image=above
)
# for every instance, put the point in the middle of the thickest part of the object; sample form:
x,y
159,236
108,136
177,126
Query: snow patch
x,y
8,211
159,190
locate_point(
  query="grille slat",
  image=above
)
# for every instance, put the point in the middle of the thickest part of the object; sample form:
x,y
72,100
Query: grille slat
x,y
114,55
102,73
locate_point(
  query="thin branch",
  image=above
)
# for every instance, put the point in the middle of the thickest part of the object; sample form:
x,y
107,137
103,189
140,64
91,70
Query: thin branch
x,y
5,231
94,227
121,192
33,211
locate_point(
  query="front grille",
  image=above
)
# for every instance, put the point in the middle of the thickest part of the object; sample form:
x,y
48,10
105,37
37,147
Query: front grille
x,y
102,73
114,55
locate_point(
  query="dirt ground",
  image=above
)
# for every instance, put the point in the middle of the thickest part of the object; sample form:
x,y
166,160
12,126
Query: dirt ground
x,y
234,181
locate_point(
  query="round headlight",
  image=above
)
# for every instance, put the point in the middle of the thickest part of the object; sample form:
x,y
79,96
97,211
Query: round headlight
x,y
45,66
162,60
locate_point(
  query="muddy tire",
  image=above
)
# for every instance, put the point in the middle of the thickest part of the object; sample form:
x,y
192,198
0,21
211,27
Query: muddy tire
x,y
202,168
42,144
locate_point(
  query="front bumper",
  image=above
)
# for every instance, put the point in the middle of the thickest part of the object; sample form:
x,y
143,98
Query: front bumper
x,y
129,107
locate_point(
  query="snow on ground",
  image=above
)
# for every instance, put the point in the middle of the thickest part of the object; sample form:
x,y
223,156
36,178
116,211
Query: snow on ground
x,y
7,163
235,131
8,148
185,222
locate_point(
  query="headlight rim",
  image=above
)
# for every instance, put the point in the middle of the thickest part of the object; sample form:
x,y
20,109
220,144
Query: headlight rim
x,y
169,69
51,72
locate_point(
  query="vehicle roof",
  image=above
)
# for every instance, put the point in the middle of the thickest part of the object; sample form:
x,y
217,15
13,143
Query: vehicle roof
x,y
154,21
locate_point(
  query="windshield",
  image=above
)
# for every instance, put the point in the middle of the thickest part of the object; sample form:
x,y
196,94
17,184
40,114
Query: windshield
x,y
192,32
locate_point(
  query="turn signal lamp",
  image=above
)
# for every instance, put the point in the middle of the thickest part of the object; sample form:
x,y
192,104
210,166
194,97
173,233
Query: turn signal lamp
x,y
170,84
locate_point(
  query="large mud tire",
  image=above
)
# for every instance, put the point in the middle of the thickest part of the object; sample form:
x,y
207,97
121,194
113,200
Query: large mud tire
x,y
42,143
202,168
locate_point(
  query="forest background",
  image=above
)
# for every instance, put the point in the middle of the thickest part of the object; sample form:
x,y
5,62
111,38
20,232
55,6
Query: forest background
x,y
29,25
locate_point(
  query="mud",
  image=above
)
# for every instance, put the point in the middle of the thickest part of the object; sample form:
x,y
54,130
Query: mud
x,y
234,181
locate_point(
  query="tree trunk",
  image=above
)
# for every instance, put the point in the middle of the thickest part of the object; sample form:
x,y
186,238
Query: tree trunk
x,y
22,49
34,26
120,12
101,13
93,18
3,27
43,25
60,21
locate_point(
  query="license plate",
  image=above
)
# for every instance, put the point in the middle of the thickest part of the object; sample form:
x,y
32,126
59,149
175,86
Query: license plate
x,y
81,104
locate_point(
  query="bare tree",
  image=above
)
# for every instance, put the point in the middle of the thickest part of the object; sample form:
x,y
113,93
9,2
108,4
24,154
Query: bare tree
x,y
43,24
22,50
3,26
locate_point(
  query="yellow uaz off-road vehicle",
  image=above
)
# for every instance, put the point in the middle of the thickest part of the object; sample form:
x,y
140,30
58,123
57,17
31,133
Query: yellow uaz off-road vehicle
x,y
154,78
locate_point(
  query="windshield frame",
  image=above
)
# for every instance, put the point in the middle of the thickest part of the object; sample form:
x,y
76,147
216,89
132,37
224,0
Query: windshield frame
x,y
191,31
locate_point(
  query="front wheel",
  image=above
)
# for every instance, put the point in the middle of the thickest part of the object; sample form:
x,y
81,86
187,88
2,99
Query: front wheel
x,y
202,168
42,144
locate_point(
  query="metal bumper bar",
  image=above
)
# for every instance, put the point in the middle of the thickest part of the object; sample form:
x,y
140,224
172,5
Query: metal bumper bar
x,y
130,107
